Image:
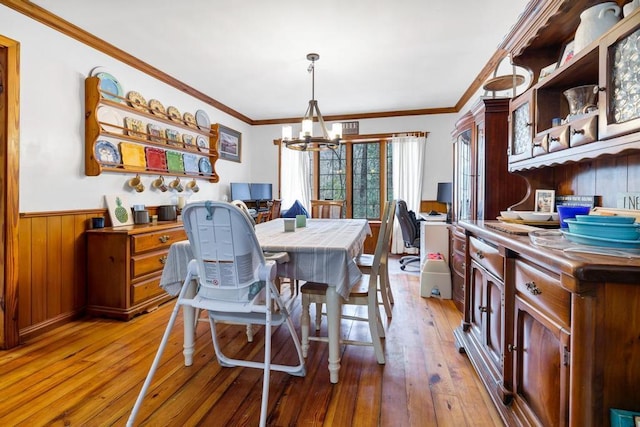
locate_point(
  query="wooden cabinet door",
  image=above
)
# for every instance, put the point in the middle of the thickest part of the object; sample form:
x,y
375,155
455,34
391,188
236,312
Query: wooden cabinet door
x,y
541,372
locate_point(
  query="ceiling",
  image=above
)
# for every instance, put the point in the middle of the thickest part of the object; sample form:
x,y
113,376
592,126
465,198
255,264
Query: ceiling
x,y
375,55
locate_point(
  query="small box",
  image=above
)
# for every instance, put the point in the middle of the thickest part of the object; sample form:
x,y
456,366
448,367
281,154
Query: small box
x,y
290,225
622,418
435,280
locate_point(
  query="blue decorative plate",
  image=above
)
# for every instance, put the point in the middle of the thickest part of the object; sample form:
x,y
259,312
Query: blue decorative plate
x,y
205,166
110,87
202,120
601,241
107,153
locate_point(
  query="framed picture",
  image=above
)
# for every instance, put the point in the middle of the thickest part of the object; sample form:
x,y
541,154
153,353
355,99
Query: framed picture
x,y
567,53
119,210
545,200
544,73
229,143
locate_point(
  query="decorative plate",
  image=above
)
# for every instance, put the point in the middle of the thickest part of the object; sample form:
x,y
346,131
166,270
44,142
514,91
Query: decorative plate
x,y
191,163
156,159
205,166
157,108
110,87
135,127
174,161
137,101
174,114
106,152
110,120
190,120
601,241
156,133
189,140
202,119
202,143
133,155
173,137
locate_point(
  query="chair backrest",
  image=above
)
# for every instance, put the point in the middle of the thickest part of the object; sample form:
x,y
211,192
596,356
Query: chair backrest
x,y
384,235
226,251
263,217
275,208
408,225
245,209
327,208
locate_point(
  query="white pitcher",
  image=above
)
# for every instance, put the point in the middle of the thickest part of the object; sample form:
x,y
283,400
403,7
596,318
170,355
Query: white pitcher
x,y
594,22
630,7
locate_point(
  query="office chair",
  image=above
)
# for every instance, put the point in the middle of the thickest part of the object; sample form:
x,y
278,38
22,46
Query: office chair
x,y
235,284
410,227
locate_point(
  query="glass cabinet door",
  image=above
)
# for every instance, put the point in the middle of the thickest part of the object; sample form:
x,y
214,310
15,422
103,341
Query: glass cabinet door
x,y
463,190
521,134
619,84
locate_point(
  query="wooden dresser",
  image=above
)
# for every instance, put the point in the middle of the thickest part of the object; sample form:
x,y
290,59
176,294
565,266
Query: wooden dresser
x,y
552,335
124,265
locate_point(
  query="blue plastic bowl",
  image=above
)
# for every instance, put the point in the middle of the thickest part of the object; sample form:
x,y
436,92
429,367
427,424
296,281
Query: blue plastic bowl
x,y
604,230
606,219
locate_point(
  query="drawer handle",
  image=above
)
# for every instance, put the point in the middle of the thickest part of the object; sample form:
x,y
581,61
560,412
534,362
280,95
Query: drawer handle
x,y
577,131
482,309
554,139
479,254
511,348
532,288
164,239
163,260
537,144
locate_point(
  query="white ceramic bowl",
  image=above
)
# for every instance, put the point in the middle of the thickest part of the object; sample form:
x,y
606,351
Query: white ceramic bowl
x,y
509,214
534,216
554,216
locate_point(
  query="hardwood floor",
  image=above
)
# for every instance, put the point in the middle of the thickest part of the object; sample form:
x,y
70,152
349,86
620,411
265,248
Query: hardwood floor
x,y
89,372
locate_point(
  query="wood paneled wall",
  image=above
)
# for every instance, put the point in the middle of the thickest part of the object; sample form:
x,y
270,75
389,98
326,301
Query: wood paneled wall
x,y
52,259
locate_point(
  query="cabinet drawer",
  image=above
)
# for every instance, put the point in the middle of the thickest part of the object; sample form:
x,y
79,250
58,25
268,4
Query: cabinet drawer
x,y
541,144
459,245
558,138
156,240
543,291
584,131
148,263
457,261
487,256
145,290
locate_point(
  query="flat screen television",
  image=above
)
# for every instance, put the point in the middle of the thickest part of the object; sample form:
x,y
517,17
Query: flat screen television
x,y
240,191
261,191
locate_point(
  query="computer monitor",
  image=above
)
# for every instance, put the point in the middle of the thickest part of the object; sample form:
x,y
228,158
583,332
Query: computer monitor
x,y
445,195
261,191
240,191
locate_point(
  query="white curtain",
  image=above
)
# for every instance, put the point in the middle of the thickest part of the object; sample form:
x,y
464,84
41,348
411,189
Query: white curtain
x,y
408,164
295,178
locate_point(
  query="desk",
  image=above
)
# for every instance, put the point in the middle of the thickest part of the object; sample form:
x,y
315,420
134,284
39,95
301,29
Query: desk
x,y
323,251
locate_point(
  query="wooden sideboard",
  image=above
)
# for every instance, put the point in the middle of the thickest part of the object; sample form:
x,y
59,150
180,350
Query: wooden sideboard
x,y
124,265
552,335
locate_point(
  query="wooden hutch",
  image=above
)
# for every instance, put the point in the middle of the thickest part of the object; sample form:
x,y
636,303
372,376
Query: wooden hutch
x,y
553,335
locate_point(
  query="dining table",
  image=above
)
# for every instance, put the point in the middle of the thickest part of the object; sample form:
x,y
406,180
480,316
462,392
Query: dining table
x,y
322,251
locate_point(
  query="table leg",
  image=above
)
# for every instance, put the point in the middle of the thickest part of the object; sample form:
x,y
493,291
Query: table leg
x,y
334,309
188,314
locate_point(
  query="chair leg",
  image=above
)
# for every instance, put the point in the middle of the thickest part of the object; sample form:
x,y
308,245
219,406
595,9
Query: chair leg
x,y
318,315
375,326
385,277
385,293
154,366
305,321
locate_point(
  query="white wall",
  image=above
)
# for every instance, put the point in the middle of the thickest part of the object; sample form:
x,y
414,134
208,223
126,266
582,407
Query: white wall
x,y
53,68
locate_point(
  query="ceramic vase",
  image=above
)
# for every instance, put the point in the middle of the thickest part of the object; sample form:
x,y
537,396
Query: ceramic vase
x,y
594,22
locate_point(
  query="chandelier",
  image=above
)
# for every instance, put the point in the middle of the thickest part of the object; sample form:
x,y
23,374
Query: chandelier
x,y
306,141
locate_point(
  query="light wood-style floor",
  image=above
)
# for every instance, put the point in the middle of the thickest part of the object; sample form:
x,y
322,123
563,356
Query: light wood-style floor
x,y
89,372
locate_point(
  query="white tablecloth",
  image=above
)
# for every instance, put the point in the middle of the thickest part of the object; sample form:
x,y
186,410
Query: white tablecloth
x,y
323,251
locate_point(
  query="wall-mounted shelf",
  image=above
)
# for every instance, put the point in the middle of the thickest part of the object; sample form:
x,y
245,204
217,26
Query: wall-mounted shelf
x,y
193,145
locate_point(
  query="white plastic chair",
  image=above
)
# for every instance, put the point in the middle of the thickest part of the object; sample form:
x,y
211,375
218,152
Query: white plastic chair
x,y
235,284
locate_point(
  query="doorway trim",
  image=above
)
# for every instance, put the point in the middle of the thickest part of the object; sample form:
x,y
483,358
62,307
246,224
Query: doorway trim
x,y
9,192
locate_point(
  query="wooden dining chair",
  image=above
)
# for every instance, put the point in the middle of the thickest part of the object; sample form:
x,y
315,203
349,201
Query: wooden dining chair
x,y
274,208
363,293
327,208
365,261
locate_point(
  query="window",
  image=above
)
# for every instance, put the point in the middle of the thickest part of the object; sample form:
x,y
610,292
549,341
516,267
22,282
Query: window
x,y
358,172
